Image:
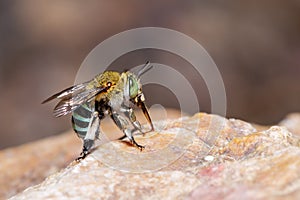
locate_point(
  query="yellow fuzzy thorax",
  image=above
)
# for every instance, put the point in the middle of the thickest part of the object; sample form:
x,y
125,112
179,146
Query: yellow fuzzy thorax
x,y
106,78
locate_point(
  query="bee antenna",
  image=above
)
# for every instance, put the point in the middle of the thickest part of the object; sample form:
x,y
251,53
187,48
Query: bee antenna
x,y
145,69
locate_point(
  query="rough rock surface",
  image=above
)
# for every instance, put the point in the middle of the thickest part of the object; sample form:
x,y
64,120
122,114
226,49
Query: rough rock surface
x,y
292,122
199,157
29,164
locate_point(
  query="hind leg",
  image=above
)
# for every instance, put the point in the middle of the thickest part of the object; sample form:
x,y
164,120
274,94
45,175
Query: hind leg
x,y
91,135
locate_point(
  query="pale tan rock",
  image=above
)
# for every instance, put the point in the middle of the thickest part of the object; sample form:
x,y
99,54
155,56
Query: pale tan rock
x,y
292,122
199,157
31,163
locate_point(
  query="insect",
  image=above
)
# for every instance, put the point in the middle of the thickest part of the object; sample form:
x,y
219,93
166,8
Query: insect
x,y
109,93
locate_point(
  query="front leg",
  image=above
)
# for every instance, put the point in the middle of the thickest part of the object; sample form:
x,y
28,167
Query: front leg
x,y
122,124
91,135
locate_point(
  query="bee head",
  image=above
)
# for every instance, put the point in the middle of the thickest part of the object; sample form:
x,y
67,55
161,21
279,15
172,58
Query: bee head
x,y
132,86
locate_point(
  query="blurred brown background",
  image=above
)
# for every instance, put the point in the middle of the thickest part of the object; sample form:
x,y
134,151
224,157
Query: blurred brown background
x,y
255,44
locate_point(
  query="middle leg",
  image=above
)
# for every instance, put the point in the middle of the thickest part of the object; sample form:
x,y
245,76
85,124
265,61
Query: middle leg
x,y
129,113
122,124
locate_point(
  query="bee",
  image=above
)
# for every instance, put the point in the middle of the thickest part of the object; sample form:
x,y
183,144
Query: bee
x,y
109,93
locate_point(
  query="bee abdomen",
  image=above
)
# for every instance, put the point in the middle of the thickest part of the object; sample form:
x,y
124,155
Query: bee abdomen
x,y
80,120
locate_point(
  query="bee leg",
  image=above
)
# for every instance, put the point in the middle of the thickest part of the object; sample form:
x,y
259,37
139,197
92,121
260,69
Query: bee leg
x,y
91,135
122,124
131,116
128,133
82,155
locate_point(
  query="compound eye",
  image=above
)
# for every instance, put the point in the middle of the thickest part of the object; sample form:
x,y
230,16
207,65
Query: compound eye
x,y
133,87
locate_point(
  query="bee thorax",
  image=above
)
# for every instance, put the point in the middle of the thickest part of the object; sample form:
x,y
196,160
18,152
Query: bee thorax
x,y
116,100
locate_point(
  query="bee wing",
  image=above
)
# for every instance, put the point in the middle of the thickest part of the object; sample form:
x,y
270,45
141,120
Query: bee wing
x,y
72,97
69,104
67,92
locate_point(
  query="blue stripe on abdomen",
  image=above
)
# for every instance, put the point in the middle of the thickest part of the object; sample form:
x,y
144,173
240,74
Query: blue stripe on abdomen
x,y
80,129
80,120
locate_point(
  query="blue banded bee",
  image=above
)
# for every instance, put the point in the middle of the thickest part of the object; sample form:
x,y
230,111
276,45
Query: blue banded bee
x,y
109,93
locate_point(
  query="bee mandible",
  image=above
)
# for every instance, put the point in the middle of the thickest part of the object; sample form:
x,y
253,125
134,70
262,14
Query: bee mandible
x,y
109,93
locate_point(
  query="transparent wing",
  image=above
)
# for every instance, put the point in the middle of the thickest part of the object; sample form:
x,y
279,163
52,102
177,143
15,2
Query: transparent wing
x,y
72,97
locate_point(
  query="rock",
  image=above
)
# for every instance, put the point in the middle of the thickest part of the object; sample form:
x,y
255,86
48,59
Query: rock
x,y
292,122
29,164
199,157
